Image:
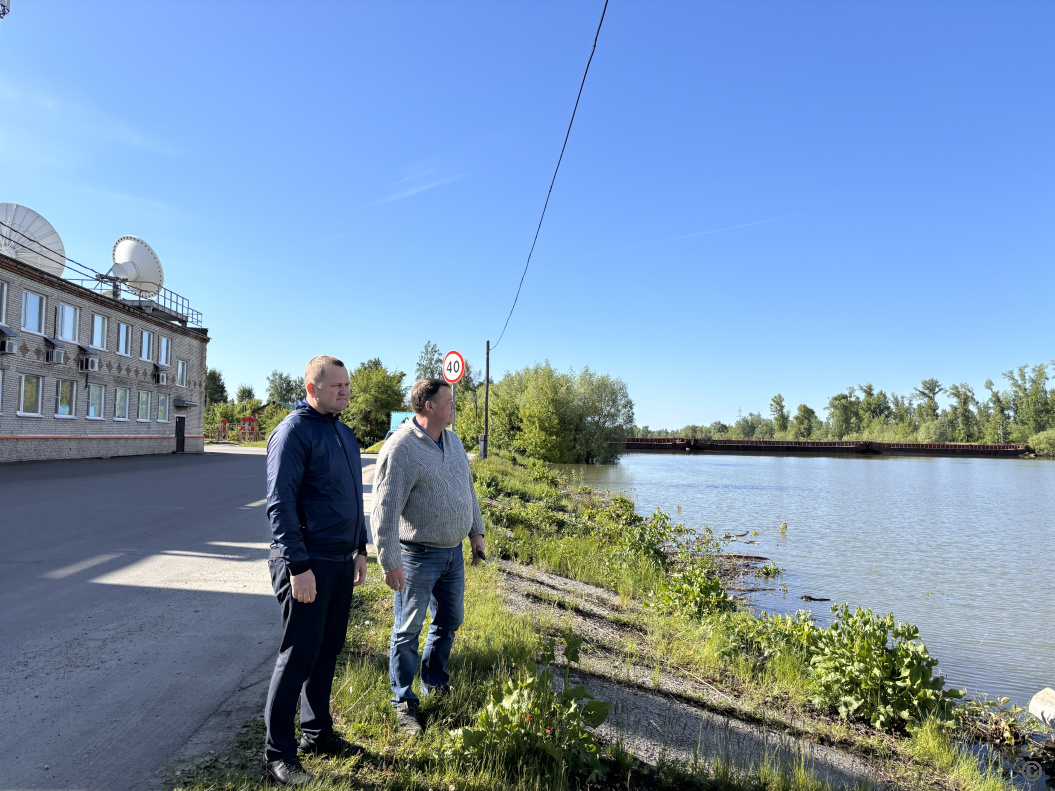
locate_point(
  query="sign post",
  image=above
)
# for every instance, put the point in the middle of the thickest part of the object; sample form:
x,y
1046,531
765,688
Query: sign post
x,y
453,371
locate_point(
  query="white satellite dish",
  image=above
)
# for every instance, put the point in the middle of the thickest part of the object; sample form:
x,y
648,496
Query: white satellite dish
x,y
137,266
29,238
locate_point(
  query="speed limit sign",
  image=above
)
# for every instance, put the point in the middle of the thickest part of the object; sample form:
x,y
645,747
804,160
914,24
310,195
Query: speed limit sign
x,y
453,367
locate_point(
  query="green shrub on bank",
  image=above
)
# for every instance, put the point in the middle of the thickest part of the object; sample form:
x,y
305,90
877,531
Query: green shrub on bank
x,y
528,720
873,668
1043,444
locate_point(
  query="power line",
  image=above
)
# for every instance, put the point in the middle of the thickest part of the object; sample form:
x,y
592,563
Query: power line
x,y
554,179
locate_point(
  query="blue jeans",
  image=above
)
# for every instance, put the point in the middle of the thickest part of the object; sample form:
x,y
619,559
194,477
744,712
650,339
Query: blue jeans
x,y
434,577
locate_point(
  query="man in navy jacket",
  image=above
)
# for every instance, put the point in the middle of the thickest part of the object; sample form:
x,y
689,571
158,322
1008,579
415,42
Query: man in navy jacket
x,y
318,554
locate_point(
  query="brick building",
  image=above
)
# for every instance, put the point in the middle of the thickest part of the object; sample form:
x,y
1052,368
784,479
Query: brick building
x,y
84,374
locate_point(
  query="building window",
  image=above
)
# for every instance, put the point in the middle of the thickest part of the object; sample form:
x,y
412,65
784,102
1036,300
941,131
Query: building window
x,y
3,302
146,345
32,312
163,408
163,350
99,325
124,339
29,395
65,397
120,403
181,373
144,405
69,318
95,401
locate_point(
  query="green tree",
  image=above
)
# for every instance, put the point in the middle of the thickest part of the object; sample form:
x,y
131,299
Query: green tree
x,y
1029,400
928,392
215,389
781,418
284,388
961,413
430,363
996,419
806,423
561,417
244,393
843,412
874,408
375,393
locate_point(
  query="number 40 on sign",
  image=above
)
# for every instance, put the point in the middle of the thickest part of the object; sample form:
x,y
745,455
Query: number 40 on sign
x,y
453,367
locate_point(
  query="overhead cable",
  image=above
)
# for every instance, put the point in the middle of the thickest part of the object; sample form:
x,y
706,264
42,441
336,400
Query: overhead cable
x,y
554,179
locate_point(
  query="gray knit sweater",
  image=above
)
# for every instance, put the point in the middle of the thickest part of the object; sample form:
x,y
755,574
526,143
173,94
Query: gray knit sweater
x,y
422,494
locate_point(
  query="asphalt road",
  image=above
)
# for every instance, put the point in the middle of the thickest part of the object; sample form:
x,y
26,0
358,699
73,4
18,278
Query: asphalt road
x,y
134,600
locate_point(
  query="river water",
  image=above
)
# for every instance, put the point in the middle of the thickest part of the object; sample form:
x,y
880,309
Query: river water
x,y
962,548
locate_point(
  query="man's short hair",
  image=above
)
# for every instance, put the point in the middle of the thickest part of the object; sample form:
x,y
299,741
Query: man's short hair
x,y
423,391
316,370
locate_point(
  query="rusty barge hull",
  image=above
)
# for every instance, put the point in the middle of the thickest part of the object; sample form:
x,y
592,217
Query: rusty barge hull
x,y
827,448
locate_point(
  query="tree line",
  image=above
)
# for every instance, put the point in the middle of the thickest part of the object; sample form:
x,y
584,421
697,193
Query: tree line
x,y
1022,409
569,417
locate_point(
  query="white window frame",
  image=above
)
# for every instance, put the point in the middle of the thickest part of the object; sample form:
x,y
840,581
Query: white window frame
x,y
106,331
60,331
181,373
166,344
139,406
167,400
26,294
146,349
73,399
22,394
121,326
102,404
117,401
3,302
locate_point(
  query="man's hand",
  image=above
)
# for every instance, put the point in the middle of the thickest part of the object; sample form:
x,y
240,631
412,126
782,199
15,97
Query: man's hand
x,y
477,544
360,570
303,586
394,578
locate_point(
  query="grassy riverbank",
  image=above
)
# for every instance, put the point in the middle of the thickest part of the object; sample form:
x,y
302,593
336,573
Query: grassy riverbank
x,y
655,629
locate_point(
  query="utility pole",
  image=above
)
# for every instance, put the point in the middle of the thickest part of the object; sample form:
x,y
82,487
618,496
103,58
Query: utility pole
x,y
487,401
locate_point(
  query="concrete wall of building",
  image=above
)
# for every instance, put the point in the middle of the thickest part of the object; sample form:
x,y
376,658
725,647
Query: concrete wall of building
x,y
51,436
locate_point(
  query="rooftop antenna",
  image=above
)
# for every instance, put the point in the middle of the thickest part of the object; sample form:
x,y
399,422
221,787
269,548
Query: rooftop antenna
x,y
29,238
137,267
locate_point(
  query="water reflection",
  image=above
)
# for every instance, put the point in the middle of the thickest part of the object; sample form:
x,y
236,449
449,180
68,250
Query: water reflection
x,y
963,548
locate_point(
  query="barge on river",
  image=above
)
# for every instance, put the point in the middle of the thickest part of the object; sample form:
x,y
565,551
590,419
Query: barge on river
x,y
823,448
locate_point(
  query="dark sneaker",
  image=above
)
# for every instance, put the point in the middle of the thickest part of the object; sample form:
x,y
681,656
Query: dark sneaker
x,y
442,691
407,718
330,744
287,772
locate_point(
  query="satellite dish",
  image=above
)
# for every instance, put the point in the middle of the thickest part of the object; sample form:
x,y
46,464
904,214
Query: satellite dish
x,y
29,238
137,266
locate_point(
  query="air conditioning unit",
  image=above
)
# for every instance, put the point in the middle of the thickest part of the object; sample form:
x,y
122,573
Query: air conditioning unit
x,y
56,356
89,364
8,346
161,379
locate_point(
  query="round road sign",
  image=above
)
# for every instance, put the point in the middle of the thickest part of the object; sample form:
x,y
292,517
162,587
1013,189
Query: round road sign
x,y
453,367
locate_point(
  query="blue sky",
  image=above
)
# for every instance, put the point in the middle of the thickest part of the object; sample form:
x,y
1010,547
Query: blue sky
x,y
756,198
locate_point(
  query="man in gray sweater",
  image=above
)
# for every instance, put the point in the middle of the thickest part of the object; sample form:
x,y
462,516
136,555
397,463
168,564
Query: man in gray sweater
x,y
424,507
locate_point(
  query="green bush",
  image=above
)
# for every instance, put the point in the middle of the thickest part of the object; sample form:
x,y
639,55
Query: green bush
x,y
528,719
867,666
1043,444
